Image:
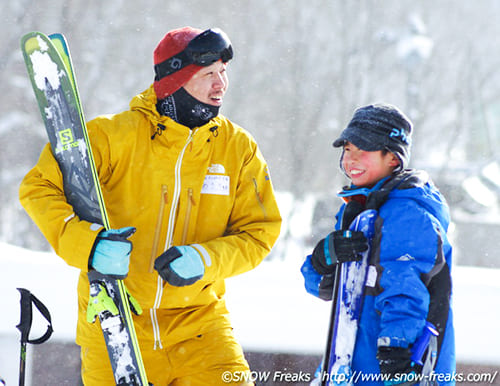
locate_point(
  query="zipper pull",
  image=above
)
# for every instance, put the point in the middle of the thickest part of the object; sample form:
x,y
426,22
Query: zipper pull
x,y
164,192
159,130
214,131
156,239
190,203
190,196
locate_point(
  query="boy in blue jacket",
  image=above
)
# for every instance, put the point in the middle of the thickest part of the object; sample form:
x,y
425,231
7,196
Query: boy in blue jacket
x,y
410,260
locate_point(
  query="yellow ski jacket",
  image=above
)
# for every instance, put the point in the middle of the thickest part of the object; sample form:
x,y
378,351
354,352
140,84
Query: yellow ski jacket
x,y
208,187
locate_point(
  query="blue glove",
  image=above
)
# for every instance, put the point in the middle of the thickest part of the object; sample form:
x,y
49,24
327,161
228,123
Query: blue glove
x,y
111,254
180,266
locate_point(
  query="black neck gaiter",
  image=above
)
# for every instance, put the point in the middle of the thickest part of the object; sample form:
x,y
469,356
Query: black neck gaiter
x,y
186,110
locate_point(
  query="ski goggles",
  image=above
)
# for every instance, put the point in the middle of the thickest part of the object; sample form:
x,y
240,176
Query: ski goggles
x,y
355,191
206,48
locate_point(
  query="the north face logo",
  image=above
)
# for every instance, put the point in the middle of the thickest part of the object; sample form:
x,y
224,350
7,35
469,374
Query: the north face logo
x,y
216,169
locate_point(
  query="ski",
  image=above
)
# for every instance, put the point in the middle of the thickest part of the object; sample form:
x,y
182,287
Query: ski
x,y
50,69
346,310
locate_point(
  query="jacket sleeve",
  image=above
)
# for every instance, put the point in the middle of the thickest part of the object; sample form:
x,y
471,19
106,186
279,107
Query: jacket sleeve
x,y
253,226
42,196
409,249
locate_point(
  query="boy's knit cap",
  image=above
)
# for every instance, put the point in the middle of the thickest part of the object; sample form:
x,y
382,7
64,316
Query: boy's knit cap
x,y
378,127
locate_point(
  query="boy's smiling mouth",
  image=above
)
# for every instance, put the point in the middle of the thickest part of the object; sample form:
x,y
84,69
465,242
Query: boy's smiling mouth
x,y
356,172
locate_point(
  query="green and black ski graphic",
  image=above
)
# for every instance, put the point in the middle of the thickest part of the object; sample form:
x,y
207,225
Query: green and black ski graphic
x,y
50,69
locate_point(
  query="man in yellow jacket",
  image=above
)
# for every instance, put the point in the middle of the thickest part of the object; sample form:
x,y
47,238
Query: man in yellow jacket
x,y
197,191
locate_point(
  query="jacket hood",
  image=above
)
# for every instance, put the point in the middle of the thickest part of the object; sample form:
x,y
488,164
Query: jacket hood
x,y
146,103
418,186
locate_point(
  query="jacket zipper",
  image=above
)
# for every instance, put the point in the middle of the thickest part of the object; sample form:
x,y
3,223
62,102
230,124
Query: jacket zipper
x,y
259,198
190,203
169,239
159,223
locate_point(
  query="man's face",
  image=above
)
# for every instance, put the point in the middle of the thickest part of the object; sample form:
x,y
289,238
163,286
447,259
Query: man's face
x,y
209,84
366,168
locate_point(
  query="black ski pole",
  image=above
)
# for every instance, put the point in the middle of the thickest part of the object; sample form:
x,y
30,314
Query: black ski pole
x,y
24,326
325,373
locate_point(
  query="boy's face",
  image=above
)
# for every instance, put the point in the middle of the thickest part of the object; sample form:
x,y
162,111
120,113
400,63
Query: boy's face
x,y
366,168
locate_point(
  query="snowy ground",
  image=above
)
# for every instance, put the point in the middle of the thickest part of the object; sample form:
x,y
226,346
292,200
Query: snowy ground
x,y
270,309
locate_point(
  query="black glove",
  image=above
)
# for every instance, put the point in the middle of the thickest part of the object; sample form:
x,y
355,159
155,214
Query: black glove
x,y
326,287
396,360
338,247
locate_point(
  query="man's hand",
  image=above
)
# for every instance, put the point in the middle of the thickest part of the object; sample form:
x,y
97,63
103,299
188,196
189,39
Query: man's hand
x,y
180,266
111,253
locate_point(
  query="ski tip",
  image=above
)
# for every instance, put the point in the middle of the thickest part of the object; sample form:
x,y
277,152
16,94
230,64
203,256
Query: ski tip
x,y
61,43
60,38
56,47
33,41
30,36
57,35
33,34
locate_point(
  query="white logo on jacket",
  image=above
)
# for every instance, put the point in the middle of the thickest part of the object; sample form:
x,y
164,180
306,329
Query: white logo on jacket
x,y
405,257
217,169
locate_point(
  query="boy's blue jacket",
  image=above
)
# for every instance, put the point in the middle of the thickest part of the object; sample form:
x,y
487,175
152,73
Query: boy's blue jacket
x,y
411,278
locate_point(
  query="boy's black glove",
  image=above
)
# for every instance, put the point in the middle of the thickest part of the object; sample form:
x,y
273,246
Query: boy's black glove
x,y
396,360
326,287
338,247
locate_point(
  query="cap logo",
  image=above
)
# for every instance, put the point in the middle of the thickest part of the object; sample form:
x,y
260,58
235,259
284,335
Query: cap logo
x,y
175,63
399,133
